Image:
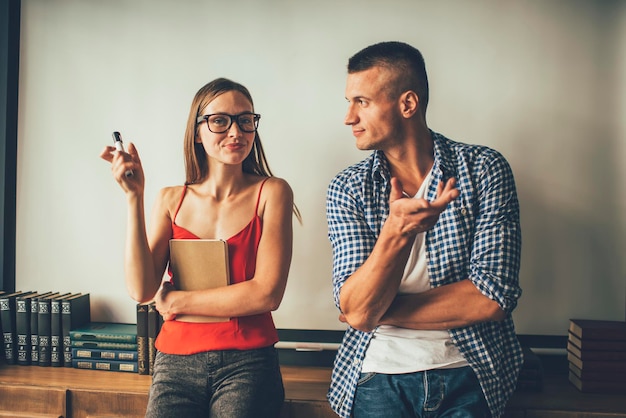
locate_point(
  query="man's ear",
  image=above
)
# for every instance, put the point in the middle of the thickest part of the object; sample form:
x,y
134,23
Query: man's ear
x,y
409,103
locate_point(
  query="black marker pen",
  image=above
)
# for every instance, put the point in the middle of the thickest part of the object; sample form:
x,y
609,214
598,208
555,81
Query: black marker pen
x,y
119,145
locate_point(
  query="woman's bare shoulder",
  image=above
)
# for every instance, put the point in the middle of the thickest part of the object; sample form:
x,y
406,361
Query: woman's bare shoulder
x,y
276,187
169,196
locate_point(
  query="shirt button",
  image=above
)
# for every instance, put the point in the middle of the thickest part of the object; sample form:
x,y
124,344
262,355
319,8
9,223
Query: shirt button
x,y
463,211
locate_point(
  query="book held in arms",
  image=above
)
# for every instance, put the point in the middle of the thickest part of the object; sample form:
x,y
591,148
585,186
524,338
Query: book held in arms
x,y
596,353
105,346
198,264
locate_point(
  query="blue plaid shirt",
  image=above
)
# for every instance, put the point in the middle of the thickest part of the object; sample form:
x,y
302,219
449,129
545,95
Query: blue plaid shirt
x,y
477,238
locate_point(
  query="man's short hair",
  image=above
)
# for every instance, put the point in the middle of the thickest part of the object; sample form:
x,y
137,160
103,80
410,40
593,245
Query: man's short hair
x,y
404,61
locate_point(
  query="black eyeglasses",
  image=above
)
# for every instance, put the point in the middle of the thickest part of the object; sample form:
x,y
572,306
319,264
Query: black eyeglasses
x,y
218,123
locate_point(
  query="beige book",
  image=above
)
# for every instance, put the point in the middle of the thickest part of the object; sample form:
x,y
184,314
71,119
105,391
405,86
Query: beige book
x,y
198,264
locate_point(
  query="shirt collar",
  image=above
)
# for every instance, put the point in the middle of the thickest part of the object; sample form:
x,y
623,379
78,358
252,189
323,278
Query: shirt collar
x,y
442,156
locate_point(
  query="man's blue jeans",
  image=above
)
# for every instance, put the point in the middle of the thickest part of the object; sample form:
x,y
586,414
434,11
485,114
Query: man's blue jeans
x,y
434,393
217,384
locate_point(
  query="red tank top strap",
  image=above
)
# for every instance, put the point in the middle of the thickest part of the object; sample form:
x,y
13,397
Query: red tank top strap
x,y
258,199
182,196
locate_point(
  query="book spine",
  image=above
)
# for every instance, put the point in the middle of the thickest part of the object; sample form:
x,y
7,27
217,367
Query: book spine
x,y
596,354
56,347
104,345
142,339
74,313
97,354
153,330
108,365
22,329
66,324
120,338
597,365
44,332
34,331
7,317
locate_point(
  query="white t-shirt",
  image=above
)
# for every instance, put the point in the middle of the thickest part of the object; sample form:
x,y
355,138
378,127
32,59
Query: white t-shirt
x,y
394,350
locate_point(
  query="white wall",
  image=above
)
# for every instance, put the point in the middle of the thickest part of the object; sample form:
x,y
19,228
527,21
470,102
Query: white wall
x,y
541,81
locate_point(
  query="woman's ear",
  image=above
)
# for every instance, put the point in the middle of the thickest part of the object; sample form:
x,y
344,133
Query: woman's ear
x,y
409,103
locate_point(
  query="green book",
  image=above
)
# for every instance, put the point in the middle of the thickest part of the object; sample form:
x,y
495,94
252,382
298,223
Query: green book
x,y
105,331
103,345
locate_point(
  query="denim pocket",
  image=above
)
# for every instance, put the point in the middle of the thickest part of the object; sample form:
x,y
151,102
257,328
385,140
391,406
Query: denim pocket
x,y
365,377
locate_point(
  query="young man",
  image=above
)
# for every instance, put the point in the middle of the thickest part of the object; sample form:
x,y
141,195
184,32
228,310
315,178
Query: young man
x,y
426,249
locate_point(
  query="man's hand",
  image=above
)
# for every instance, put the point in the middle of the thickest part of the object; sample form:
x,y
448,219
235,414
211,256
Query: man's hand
x,y
411,216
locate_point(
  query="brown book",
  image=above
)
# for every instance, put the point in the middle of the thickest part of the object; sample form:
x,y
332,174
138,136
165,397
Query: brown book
x,y
597,354
153,333
593,345
598,329
597,365
597,386
587,375
199,264
142,339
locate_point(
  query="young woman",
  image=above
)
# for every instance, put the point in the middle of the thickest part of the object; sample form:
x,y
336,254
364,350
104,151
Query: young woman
x,y
214,369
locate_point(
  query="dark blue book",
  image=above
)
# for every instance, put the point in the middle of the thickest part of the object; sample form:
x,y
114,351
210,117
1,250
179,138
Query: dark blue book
x,y
34,327
8,321
108,365
56,335
44,331
23,323
101,354
75,313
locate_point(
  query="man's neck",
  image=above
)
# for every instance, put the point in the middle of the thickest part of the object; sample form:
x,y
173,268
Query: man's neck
x,y
412,161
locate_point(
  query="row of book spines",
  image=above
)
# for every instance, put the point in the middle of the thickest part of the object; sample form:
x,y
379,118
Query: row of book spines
x,y
596,381
149,323
105,346
35,325
597,360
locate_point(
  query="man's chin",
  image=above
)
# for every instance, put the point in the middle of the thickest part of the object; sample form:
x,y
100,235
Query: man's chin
x,y
364,146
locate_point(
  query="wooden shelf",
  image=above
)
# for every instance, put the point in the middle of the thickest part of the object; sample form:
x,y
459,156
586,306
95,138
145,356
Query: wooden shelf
x,y
65,392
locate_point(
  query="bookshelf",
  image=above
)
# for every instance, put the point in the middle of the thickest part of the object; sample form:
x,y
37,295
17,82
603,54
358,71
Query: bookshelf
x,y
66,392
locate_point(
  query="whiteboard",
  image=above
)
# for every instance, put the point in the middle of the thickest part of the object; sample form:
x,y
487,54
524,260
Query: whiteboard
x,y
543,82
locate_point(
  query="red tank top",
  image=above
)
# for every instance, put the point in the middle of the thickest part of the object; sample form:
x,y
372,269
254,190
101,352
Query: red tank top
x,y
241,333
